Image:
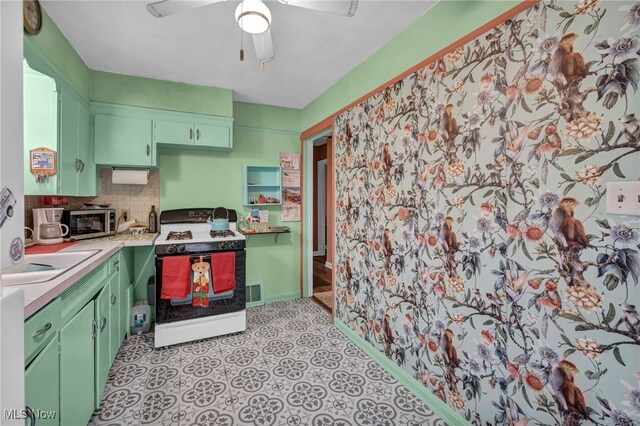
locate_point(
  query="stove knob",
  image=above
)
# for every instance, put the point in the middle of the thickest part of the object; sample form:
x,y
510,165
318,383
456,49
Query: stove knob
x,y
233,244
171,248
223,245
181,248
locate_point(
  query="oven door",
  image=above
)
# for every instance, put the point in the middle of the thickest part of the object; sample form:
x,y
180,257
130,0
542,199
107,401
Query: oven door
x,y
168,311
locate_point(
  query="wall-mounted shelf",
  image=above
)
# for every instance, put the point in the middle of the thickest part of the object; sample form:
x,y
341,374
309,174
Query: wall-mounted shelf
x,y
271,231
261,181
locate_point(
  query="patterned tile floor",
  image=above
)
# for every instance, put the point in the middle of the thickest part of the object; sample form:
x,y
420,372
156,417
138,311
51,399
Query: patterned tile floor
x,y
291,367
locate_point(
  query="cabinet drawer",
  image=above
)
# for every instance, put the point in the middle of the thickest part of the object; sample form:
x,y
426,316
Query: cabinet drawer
x,y
41,327
113,262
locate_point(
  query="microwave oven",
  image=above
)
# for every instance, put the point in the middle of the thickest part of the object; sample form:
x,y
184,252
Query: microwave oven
x,y
89,223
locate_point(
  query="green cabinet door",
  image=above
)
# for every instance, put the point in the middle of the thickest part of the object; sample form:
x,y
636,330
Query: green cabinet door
x,y
126,279
173,132
102,352
122,141
42,384
77,380
213,136
87,171
68,164
40,124
114,316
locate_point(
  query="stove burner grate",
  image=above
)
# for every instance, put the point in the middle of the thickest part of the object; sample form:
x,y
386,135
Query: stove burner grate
x,y
179,235
221,234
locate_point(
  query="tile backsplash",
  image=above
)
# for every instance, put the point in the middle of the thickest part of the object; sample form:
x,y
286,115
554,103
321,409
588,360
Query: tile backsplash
x,y
136,199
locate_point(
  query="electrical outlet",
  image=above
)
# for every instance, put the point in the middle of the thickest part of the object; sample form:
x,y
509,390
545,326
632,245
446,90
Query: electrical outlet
x,y
623,198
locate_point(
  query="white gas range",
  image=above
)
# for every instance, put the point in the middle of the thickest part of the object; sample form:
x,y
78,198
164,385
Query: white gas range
x,y
187,233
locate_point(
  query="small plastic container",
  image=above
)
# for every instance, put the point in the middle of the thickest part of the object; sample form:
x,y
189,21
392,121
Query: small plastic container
x,y
140,317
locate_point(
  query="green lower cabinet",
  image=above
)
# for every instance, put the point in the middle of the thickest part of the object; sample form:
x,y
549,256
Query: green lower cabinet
x,y
102,351
126,279
114,316
42,384
77,379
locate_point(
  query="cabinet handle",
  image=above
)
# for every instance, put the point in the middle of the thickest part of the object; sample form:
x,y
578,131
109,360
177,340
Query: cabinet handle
x,y
81,166
30,416
148,150
77,164
190,134
113,298
198,134
103,322
43,330
94,329
117,262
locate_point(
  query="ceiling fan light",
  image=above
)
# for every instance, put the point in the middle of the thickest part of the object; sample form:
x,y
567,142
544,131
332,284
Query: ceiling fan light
x,y
253,16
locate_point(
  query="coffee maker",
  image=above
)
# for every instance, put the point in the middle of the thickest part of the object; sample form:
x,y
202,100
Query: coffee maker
x,y
47,228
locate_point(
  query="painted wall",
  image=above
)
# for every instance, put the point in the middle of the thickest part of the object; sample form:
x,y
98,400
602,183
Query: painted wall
x,y
199,178
473,246
162,94
11,178
58,50
443,24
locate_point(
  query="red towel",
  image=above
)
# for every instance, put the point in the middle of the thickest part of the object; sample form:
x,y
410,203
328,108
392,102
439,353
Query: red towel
x,y
176,277
223,271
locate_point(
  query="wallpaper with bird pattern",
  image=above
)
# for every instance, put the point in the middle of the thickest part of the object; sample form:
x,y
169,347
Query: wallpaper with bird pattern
x,y
472,244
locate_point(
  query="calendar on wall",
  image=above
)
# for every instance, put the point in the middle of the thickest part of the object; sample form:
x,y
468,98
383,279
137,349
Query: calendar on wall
x,y
291,195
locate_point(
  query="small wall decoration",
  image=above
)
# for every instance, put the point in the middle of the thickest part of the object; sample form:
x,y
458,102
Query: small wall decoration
x,y
31,16
472,245
291,200
42,162
16,249
7,201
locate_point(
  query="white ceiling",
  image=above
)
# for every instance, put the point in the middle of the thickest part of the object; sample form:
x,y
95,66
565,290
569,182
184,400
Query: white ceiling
x,y
201,46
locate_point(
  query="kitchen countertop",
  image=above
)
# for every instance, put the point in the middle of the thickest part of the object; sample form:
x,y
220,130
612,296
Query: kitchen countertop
x,y
37,295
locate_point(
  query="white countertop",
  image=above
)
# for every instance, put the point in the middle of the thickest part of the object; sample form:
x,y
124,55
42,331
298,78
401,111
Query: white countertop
x,y
37,295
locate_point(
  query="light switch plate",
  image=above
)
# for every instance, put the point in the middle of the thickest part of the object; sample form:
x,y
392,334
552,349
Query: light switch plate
x,y
623,198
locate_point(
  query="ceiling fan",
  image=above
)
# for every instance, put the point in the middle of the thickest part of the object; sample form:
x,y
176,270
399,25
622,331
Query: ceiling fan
x,y
254,17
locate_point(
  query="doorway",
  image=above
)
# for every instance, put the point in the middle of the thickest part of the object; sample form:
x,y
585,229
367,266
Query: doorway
x,y
322,285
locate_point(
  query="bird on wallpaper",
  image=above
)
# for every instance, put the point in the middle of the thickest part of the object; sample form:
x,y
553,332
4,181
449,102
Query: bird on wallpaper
x,y
388,335
448,238
449,353
496,304
629,128
347,131
449,128
566,393
567,66
348,273
629,317
568,232
477,301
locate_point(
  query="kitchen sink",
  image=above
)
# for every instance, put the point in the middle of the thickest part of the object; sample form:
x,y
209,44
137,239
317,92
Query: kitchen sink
x,y
39,268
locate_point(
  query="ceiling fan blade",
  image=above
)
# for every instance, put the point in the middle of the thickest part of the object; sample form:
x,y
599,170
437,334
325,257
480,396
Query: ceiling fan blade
x,y
163,8
345,8
264,46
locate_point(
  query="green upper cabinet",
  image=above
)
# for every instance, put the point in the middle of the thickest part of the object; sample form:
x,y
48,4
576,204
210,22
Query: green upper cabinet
x,y
76,166
173,132
40,125
123,141
56,116
196,131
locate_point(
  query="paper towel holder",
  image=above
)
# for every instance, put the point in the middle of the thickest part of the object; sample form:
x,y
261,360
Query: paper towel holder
x,y
129,176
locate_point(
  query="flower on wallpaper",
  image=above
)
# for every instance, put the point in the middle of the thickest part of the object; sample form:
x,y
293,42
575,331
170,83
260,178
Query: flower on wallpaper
x,y
632,397
623,48
632,18
585,7
547,45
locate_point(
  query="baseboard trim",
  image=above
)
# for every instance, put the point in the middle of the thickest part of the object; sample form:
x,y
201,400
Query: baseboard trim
x,y
328,265
282,296
440,408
